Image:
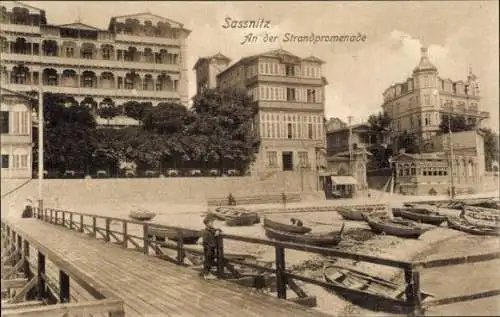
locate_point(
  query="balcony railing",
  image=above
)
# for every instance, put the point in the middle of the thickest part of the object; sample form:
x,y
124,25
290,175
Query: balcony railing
x,y
19,28
86,63
96,91
292,105
286,80
150,40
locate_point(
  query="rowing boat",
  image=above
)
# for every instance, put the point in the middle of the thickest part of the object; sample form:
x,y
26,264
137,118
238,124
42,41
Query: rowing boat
x,y
284,227
315,239
422,215
465,226
355,213
189,236
395,226
481,217
351,279
142,215
236,216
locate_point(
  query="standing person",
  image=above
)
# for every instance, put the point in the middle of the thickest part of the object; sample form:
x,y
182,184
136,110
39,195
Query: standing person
x,y
209,235
28,209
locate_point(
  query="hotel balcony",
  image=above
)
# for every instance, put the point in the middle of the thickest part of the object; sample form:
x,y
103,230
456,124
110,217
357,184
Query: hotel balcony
x,y
20,28
86,91
286,80
120,37
290,105
87,63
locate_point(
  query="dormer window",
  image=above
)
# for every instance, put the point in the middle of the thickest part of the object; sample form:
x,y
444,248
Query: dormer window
x,y
290,70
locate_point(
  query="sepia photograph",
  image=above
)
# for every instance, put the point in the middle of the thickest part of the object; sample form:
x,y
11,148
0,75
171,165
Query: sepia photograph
x,y
249,158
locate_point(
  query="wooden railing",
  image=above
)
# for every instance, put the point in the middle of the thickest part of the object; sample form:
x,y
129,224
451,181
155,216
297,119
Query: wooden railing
x,y
412,304
36,282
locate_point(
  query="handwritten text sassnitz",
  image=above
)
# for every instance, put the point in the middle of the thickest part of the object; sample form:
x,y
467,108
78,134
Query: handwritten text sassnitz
x,y
315,38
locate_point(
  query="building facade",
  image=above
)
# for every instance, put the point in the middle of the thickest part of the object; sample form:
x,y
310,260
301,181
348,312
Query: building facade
x,y
289,91
361,135
16,139
140,57
422,174
418,105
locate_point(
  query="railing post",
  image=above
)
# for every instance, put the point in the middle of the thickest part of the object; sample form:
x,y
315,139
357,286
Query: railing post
x,y
71,221
26,267
64,295
412,292
81,223
63,218
145,238
108,235
280,272
125,234
180,247
20,247
220,255
94,226
50,216
41,275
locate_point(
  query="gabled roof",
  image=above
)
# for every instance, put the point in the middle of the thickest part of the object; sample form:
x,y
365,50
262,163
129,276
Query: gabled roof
x,y
5,91
148,15
218,56
80,26
313,59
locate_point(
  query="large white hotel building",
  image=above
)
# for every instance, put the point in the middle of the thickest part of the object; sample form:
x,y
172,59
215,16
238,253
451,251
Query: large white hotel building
x,y
140,57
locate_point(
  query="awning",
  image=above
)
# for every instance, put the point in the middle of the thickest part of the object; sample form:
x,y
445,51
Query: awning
x,y
343,180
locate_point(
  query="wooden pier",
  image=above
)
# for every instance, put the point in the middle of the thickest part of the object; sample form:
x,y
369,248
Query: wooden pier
x,y
113,259
147,285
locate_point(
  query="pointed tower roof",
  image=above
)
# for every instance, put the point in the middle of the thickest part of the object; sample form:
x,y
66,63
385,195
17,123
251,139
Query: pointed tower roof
x,y
424,64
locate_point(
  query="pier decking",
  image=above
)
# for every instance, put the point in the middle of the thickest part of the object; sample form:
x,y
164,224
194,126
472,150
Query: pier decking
x,y
149,286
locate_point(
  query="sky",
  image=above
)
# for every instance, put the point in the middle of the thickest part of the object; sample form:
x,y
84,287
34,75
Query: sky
x,y
458,35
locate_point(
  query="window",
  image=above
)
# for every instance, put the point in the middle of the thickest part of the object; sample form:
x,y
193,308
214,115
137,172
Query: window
x,y
311,95
309,131
303,159
69,52
426,81
106,54
24,161
290,70
289,130
87,54
272,158
427,99
290,94
4,121
5,161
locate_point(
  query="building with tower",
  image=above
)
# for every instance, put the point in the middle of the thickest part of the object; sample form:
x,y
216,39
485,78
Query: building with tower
x,y
289,91
140,57
418,104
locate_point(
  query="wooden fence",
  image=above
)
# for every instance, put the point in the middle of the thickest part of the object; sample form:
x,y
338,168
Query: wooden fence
x,y
412,304
35,288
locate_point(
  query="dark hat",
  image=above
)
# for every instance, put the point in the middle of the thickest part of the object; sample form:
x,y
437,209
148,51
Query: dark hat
x,y
208,219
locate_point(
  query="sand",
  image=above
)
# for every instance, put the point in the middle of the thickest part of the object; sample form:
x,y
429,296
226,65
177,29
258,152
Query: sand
x,y
438,241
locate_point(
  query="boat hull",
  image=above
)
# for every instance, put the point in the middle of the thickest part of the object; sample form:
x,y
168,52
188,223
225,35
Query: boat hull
x,y
142,216
369,284
269,223
431,219
188,236
314,239
467,227
393,229
236,217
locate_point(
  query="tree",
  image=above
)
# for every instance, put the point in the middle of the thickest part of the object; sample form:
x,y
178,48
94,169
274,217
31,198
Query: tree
x,y
491,147
408,141
108,112
458,124
167,118
226,119
137,110
380,123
